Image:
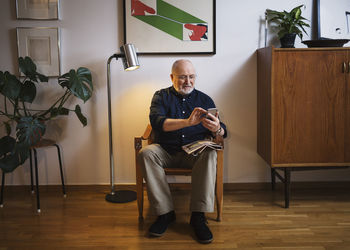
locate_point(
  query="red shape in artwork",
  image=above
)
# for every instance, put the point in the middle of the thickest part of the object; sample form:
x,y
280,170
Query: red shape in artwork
x,y
198,31
139,9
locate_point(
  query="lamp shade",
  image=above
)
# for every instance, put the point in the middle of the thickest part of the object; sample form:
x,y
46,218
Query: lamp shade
x,y
130,59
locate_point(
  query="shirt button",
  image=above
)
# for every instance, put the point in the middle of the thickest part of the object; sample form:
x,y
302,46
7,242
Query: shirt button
x,y
183,112
183,136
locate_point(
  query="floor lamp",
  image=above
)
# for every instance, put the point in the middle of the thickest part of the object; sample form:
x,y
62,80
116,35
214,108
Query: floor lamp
x,y
130,62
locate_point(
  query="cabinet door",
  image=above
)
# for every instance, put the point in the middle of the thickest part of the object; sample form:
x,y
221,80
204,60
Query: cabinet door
x,y
308,106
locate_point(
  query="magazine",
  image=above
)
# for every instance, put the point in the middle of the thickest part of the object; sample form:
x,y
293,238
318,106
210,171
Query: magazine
x,y
197,147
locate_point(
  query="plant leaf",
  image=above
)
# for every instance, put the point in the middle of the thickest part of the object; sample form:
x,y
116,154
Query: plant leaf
x,y
11,161
7,145
2,80
29,131
78,82
59,111
8,128
28,68
28,92
10,158
11,86
26,65
80,116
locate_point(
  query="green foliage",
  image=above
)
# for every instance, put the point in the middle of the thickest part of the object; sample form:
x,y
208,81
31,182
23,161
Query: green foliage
x,y
18,92
288,22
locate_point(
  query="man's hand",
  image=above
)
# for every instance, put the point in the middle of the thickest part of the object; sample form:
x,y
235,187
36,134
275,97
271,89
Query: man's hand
x,y
211,122
196,116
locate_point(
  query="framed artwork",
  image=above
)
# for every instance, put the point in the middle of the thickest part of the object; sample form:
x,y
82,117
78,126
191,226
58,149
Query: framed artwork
x,y
42,45
37,9
170,26
334,19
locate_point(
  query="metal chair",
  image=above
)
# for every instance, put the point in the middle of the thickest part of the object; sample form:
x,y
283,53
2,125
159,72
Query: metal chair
x,y
42,144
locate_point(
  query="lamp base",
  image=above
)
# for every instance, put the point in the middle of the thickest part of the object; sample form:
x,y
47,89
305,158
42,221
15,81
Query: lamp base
x,y
121,196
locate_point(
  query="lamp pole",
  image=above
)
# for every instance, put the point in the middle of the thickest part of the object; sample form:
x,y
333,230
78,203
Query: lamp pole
x,y
131,62
111,160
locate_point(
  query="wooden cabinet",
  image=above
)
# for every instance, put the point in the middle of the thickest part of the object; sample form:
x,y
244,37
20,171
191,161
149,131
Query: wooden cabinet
x,y
303,106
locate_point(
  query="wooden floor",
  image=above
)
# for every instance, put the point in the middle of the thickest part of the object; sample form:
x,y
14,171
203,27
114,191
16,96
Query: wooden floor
x,y
319,218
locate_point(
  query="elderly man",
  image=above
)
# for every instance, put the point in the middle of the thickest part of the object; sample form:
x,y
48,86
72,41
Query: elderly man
x,y
179,116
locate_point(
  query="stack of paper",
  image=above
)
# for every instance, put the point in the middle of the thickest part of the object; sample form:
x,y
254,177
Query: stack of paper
x,y
197,147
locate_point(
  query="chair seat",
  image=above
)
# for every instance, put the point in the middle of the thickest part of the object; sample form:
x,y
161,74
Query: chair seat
x,y
178,171
44,143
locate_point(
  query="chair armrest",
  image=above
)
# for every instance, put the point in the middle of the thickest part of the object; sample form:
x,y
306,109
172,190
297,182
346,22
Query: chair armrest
x,y
147,133
219,140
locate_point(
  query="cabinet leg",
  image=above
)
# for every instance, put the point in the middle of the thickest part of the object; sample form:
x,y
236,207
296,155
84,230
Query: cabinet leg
x,y
286,187
273,178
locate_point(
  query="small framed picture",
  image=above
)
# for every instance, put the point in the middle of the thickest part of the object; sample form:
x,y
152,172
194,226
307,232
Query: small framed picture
x,y
170,27
42,45
37,9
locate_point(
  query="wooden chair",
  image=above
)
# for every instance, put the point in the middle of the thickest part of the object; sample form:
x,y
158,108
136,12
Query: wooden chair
x,y
148,136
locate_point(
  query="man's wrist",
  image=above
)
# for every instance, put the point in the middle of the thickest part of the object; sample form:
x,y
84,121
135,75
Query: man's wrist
x,y
218,132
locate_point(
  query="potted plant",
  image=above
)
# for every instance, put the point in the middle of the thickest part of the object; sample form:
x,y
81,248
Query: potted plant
x,y
18,93
288,24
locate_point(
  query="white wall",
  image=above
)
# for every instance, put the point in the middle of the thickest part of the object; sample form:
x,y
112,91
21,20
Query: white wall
x,y
91,31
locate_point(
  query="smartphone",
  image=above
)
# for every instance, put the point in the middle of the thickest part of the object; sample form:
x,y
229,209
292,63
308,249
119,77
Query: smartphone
x,y
212,111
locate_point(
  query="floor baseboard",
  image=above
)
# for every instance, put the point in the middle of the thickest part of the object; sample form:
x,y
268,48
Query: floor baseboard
x,y
185,186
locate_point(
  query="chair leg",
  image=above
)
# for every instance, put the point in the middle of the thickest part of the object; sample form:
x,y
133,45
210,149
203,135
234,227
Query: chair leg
x,y
219,189
286,187
37,181
219,201
2,189
61,171
139,191
31,171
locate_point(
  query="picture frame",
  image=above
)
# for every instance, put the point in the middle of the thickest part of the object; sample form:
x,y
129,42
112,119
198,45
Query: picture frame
x,y
171,26
38,9
333,19
42,44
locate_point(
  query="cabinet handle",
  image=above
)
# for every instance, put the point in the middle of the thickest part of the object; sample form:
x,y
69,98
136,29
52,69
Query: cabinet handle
x,y
344,67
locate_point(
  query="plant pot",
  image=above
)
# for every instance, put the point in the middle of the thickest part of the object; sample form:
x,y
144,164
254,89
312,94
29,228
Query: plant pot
x,y
287,41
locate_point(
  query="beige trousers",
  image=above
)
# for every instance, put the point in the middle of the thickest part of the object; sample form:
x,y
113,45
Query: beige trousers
x,y
153,159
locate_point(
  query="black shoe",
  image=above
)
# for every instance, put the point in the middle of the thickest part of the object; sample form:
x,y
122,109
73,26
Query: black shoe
x,y
202,231
161,224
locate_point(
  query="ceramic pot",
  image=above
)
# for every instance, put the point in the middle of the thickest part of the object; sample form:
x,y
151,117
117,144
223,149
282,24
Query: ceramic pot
x,y
287,41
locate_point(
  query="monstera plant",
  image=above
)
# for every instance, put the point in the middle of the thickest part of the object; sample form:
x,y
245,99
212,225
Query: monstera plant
x,y
30,124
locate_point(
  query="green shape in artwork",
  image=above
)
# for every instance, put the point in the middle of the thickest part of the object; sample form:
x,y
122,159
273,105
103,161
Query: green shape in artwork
x,y
164,24
176,14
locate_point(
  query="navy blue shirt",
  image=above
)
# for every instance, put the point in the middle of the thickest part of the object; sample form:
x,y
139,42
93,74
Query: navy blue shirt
x,y
168,103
